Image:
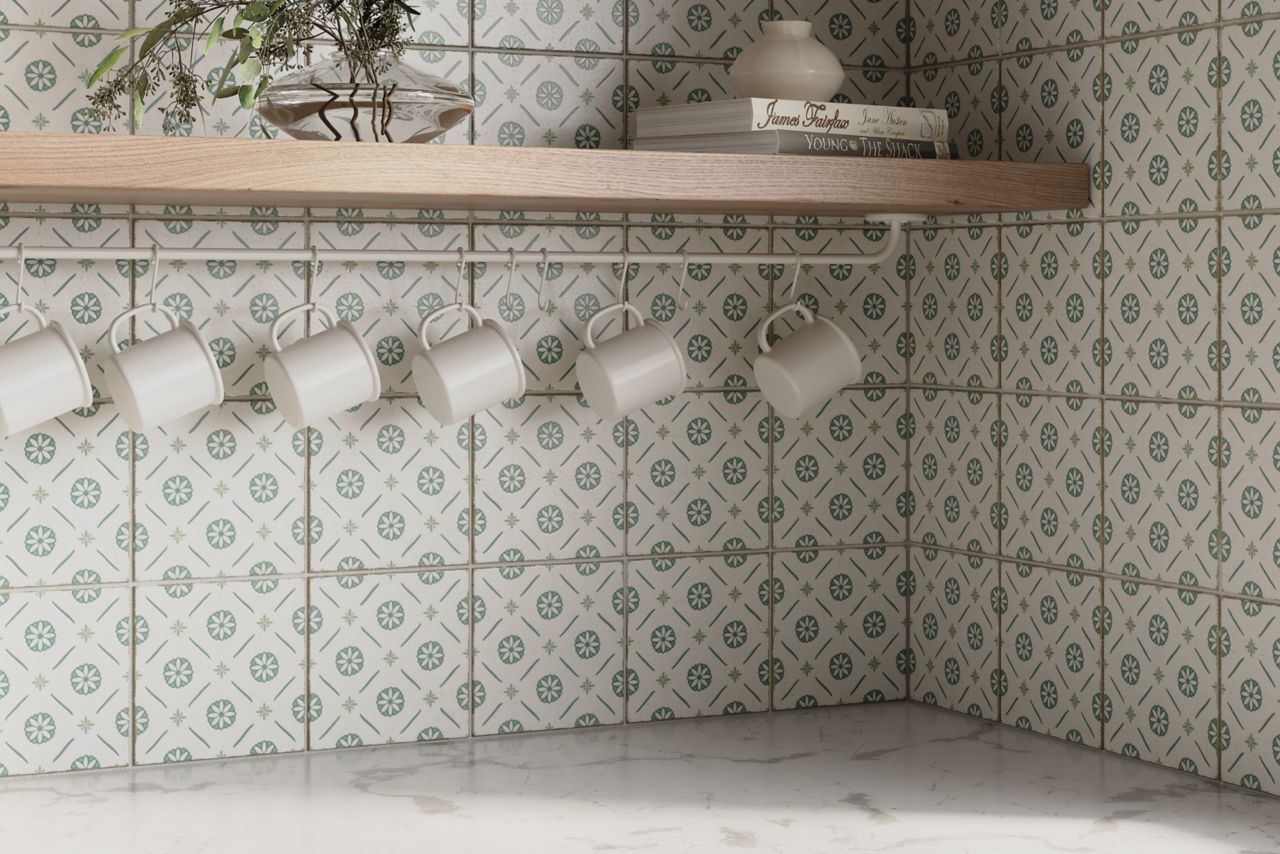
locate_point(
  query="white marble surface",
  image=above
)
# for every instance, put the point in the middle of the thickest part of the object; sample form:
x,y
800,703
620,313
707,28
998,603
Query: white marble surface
x,y
892,777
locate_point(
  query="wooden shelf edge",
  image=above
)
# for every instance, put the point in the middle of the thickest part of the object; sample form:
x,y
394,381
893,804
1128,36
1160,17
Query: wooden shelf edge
x,y
213,171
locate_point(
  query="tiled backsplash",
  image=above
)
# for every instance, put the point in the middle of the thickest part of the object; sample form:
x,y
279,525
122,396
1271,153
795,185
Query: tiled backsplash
x,y
1095,465
227,586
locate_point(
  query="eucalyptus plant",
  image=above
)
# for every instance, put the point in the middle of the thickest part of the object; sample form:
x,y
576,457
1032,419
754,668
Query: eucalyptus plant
x,y
258,38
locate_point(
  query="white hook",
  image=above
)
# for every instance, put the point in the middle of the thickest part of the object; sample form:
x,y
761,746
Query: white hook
x,y
791,292
511,273
313,264
22,271
626,270
155,273
462,267
682,300
542,283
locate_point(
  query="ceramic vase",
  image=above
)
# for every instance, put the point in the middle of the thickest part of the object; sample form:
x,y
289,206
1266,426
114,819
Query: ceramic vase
x,y
787,63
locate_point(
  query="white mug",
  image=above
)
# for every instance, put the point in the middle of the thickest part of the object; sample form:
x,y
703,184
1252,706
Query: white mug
x,y
41,375
321,375
638,367
807,368
164,378
467,373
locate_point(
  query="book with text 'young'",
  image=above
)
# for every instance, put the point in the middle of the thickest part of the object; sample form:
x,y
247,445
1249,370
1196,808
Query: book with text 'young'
x,y
799,142
762,114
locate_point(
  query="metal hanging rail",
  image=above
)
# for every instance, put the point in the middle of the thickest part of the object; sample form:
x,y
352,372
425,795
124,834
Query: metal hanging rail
x,y
893,223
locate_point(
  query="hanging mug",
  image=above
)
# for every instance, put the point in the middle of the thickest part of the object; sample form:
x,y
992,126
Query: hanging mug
x,y
164,378
468,373
41,374
630,370
323,374
807,368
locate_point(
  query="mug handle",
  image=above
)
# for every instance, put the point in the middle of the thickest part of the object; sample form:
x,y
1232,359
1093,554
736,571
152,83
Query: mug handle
x,y
9,309
329,320
123,316
762,336
445,309
588,336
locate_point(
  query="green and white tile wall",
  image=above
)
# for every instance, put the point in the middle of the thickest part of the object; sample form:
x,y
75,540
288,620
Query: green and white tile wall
x,y
1096,394
227,586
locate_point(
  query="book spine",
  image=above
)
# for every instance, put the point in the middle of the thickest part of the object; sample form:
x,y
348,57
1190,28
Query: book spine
x,y
796,142
849,119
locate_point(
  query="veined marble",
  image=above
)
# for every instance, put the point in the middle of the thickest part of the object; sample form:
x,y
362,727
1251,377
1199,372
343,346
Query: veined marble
x,y
887,777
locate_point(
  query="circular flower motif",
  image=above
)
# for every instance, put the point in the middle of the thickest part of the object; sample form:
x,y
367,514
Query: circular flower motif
x,y
221,714
349,660
430,655
39,728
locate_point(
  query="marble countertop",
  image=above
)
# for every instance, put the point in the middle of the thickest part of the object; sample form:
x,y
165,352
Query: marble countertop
x,y
890,777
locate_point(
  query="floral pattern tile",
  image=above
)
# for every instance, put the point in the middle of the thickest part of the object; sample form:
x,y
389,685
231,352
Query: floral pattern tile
x,y
1161,293
1160,492
1050,24
1162,676
955,307
838,477
972,96
45,85
1160,120
840,627
697,474
220,669
1052,310
955,629
1250,644
64,680
1130,18
698,637
549,647
875,33
218,494
593,26
715,30
547,101
548,481
1052,652
390,658
1250,129
952,29
1250,482
1250,267
955,470
1052,480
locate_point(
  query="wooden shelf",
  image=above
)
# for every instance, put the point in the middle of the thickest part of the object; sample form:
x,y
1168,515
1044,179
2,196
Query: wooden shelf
x,y
118,169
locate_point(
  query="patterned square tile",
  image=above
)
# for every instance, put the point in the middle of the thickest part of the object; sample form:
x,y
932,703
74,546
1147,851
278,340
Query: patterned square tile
x,y
1250,127
219,494
869,302
548,101
1241,9
390,658
717,30
220,669
1160,492
86,15
1052,652
1160,124
1051,24
1162,293
971,94
840,627
1250,488
1250,731
1055,108
549,647
952,29
955,469
699,637
1131,18
1052,310
871,34
232,303
955,309
548,481
840,476
587,27
1053,480
45,71
64,680
715,320
1250,265
1162,676
697,474
549,339
389,489
440,23
955,633
385,300
64,502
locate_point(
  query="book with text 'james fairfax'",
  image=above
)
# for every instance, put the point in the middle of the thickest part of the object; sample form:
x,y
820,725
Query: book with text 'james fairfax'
x,y
799,142
761,114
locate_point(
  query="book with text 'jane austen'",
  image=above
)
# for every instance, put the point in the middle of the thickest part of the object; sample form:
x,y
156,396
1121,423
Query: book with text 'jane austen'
x,y
799,142
761,114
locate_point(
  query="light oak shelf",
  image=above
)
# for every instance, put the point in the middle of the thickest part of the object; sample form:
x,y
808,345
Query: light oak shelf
x,y
119,169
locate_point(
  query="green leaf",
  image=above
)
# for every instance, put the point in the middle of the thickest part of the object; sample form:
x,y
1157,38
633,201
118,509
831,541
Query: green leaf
x,y
247,93
215,32
103,67
250,70
138,109
133,34
256,11
226,92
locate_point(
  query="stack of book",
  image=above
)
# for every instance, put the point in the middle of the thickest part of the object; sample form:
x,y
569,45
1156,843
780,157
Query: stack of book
x,y
764,126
